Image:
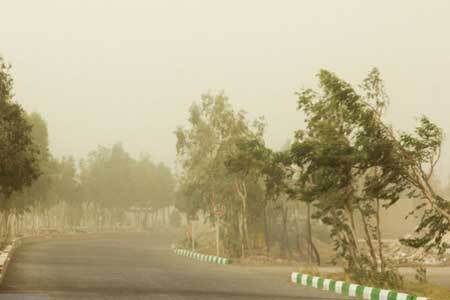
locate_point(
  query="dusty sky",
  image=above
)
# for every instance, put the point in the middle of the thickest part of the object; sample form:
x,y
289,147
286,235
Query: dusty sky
x,y
102,71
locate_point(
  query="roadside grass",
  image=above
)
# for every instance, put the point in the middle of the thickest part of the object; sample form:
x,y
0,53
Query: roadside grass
x,y
431,291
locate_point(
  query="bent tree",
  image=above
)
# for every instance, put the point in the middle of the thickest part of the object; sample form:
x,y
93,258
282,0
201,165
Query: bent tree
x,y
351,162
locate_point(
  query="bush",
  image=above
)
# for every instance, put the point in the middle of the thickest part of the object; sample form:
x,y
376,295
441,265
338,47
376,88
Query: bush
x,y
390,278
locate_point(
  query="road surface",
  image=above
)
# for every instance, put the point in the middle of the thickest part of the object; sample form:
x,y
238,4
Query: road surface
x,y
137,266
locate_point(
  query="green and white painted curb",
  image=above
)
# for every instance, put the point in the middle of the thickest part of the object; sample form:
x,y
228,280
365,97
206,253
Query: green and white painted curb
x,y
350,289
203,257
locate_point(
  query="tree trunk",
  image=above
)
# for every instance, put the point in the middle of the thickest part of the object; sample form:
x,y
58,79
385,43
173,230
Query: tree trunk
x,y
7,225
244,218
241,234
217,236
380,243
316,252
298,236
164,219
352,223
242,192
284,232
192,236
266,231
369,240
309,231
353,237
47,215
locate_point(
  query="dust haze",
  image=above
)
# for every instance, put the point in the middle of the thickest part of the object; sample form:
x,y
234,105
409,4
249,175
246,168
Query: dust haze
x,y
224,149
107,71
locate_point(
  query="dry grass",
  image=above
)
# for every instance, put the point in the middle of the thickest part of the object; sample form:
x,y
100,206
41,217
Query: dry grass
x,y
432,291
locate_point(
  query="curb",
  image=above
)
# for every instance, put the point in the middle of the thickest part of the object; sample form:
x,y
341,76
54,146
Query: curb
x,y
350,289
203,257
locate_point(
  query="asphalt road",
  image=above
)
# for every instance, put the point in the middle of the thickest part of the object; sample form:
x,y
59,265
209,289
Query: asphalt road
x,y
136,266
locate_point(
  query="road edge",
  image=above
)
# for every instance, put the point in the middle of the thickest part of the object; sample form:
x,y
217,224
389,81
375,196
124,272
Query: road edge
x,y
203,257
350,289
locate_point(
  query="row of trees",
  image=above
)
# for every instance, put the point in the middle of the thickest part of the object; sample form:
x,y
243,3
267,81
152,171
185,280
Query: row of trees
x,y
230,176
345,167
113,184
107,189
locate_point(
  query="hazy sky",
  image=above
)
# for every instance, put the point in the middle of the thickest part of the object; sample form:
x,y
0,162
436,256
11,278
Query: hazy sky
x,y
107,71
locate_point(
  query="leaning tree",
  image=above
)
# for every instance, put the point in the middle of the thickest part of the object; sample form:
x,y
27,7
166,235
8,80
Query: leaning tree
x,y
351,162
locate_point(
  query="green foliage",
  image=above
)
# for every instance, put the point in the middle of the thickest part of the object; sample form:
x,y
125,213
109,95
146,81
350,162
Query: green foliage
x,y
348,161
223,158
39,193
18,154
337,169
424,147
202,149
390,278
115,182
